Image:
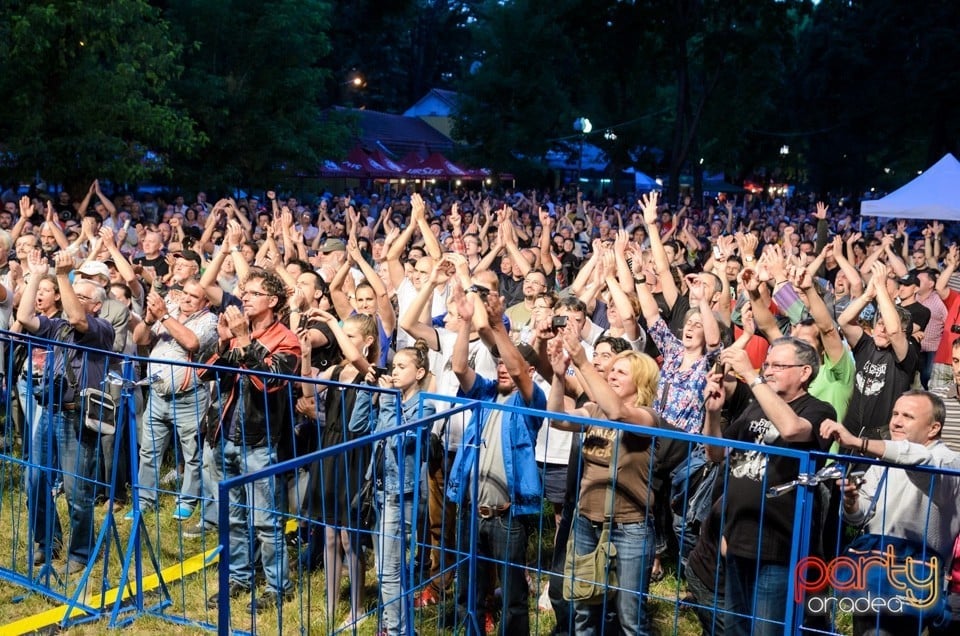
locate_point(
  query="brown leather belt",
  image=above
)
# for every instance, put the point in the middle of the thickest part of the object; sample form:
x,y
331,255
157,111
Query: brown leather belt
x,y
66,407
489,512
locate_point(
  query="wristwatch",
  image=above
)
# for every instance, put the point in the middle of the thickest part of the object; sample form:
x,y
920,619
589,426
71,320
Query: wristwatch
x,y
165,318
757,380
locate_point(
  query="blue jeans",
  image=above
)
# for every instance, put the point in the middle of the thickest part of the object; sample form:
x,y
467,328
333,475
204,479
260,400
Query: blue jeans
x,y
212,475
79,457
261,499
501,542
42,468
745,578
394,546
164,413
636,546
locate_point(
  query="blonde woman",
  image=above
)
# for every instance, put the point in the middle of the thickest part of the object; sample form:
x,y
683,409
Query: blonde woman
x,y
625,396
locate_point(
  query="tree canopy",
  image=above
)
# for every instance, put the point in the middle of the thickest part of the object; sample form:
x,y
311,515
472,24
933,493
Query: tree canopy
x,y
216,94
86,91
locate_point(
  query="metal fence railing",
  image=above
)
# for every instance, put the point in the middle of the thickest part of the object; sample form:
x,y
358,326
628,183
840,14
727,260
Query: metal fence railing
x,y
267,535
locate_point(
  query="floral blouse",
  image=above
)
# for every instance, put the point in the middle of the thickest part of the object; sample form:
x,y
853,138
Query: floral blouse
x,y
680,393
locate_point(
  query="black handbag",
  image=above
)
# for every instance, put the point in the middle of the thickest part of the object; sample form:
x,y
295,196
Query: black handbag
x,y
364,502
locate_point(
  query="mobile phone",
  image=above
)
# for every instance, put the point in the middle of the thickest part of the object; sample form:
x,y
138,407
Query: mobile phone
x,y
126,225
558,322
380,371
716,253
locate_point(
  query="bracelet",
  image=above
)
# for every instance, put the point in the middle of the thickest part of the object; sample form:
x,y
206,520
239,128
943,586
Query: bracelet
x,y
863,446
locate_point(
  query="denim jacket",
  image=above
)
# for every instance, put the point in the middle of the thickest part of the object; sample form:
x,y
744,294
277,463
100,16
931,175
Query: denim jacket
x,y
398,448
518,436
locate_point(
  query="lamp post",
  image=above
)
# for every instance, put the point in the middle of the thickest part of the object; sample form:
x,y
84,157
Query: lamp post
x,y
583,126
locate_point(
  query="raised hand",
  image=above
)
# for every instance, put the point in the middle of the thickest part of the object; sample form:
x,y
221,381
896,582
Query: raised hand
x,y
64,262
26,207
749,279
559,360
648,203
237,323
571,342
953,256
821,212
223,328
37,264
106,235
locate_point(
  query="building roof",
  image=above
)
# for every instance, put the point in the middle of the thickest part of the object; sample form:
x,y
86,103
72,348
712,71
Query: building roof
x,y
399,134
437,103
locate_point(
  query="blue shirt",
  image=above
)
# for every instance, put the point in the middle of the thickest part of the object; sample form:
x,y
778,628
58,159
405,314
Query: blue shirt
x,y
399,449
518,436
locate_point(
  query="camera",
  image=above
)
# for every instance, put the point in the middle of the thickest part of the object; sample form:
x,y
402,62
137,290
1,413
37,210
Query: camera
x,y
558,322
480,290
954,328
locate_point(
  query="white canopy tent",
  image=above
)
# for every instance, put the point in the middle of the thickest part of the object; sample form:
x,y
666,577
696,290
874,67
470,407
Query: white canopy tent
x,y
935,194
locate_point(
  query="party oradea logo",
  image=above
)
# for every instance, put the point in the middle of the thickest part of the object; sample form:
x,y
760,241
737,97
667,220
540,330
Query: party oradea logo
x,y
868,583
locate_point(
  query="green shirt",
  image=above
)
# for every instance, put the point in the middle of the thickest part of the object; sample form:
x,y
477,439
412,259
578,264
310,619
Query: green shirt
x,y
834,382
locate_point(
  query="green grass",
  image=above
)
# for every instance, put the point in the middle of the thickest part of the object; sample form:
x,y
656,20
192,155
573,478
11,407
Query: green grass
x,y
306,614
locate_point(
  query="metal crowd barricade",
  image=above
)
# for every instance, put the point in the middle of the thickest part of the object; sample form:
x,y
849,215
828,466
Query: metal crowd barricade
x,y
153,565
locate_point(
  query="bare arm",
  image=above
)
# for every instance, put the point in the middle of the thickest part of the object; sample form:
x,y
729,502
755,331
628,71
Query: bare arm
x,y
611,404
669,288
337,295
791,426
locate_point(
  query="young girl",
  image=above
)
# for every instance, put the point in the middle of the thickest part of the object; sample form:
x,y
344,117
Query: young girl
x,y
397,477
341,476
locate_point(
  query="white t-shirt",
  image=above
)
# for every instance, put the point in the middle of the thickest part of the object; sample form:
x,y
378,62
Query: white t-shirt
x,y
479,359
406,294
553,445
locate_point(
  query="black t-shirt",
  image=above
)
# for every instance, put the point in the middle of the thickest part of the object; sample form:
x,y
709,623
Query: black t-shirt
x,y
919,314
328,355
159,264
677,316
511,289
880,380
752,472
65,212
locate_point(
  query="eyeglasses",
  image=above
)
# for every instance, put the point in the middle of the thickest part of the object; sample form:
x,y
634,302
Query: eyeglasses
x,y
258,294
84,299
767,366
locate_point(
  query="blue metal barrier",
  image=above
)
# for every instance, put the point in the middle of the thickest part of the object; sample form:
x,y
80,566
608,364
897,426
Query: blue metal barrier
x,y
131,554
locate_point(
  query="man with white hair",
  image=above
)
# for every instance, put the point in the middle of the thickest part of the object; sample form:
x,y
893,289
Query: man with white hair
x,y
70,373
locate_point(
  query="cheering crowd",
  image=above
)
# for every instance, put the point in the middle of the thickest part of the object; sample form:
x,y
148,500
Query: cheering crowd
x,y
783,324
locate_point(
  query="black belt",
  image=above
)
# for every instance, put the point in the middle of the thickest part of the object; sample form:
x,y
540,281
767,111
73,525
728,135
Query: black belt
x,y
172,396
490,512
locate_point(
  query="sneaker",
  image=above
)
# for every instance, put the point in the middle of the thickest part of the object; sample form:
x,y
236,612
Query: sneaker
x,y
351,624
198,530
487,623
426,598
236,590
40,554
182,512
170,477
543,602
268,600
71,568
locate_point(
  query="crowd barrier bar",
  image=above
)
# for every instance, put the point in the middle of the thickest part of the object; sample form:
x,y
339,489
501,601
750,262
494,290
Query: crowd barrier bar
x,y
131,584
